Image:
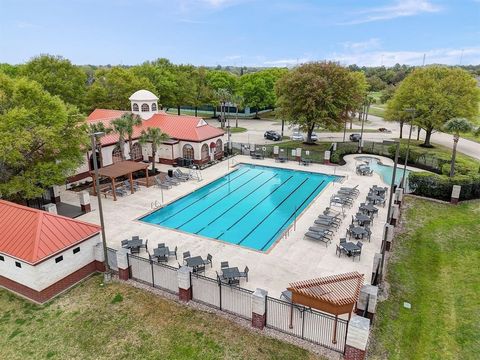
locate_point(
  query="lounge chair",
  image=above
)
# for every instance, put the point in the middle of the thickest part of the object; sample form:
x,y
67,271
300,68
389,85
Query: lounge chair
x,y
318,236
326,225
162,184
321,230
185,175
136,187
353,189
180,176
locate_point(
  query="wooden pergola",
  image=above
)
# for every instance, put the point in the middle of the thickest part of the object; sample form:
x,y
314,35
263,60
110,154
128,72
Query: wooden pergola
x,y
336,294
122,168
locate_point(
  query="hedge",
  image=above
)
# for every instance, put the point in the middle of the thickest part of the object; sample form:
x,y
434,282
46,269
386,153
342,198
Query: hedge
x,y
440,186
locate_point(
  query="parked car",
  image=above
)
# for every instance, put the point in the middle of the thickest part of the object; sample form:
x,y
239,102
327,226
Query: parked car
x,y
272,135
297,136
355,137
314,136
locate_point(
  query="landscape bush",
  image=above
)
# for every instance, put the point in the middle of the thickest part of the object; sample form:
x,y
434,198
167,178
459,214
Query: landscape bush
x,y
440,186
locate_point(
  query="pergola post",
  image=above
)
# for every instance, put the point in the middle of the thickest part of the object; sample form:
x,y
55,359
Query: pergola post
x,y
146,174
334,341
130,177
113,189
291,315
94,186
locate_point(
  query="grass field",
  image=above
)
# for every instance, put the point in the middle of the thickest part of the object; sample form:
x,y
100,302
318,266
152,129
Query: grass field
x,y
435,267
121,322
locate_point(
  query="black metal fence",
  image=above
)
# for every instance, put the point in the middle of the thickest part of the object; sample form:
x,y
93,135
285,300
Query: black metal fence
x,y
307,324
295,320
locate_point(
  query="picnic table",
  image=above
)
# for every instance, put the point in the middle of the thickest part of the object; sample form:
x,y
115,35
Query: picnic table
x,y
350,247
358,231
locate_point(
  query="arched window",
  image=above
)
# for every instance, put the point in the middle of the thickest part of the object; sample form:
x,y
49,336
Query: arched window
x,y
205,154
154,107
135,107
145,108
116,154
188,151
137,152
218,146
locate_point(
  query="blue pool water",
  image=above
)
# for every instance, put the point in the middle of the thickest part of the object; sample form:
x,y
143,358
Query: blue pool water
x,y
250,207
384,171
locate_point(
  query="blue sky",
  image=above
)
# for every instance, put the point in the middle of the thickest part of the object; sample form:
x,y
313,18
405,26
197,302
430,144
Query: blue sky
x,y
242,32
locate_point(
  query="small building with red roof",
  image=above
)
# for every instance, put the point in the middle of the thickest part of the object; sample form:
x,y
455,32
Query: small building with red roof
x,y
42,254
190,137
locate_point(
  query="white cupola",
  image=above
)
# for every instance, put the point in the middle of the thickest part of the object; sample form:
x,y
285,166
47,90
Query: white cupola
x,y
144,103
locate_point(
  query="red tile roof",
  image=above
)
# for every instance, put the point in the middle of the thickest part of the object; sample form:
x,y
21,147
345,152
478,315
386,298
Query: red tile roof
x,y
34,235
183,127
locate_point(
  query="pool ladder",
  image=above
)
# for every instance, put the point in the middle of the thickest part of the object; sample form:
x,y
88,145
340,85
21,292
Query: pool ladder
x,y
155,204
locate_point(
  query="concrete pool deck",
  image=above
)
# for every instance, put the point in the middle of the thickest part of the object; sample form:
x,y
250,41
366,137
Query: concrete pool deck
x,y
292,258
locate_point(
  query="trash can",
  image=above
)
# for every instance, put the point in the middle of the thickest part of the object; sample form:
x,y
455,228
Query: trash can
x,y
170,172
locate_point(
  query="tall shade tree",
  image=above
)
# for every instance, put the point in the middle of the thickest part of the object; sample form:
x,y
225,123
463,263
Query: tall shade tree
x,y
184,86
219,79
438,94
155,137
120,126
99,127
59,77
202,91
316,94
42,140
255,91
456,126
358,91
112,88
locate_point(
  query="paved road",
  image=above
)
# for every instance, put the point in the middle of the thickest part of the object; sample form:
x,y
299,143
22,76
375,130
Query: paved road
x,y
256,129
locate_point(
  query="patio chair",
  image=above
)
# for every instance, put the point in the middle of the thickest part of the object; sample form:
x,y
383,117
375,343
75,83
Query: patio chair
x,y
145,246
126,183
321,230
349,230
185,175
186,255
224,264
369,233
162,184
355,188
339,250
161,245
326,224
135,250
343,241
124,243
245,273
208,261
180,176
318,236
199,269
173,252
136,237
234,282
358,253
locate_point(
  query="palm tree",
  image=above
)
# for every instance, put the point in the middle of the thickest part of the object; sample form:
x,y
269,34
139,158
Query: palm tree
x,y
131,120
99,127
223,95
456,126
238,101
120,126
155,137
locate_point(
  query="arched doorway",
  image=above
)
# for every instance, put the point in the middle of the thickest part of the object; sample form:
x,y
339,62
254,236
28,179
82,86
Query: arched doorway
x,y
137,152
116,154
188,152
90,162
218,149
205,153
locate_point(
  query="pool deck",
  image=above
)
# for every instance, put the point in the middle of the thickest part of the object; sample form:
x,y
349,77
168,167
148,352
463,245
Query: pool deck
x,y
291,258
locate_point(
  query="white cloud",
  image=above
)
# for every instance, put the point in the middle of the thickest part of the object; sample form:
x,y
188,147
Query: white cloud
x,y
401,8
445,56
286,62
369,44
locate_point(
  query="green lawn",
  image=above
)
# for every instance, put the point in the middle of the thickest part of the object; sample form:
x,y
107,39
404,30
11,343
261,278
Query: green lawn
x,y
239,129
122,322
435,267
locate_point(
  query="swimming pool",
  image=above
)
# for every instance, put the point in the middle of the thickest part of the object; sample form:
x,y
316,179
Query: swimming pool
x,y
250,206
384,171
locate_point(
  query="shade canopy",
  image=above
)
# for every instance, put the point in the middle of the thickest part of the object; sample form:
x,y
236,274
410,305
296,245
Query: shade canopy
x,y
336,294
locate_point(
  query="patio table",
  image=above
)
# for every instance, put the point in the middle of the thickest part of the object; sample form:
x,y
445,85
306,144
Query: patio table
x,y
369,208
358,231
194,261
375,198
361,218
231,273
133,244
350,247
161,253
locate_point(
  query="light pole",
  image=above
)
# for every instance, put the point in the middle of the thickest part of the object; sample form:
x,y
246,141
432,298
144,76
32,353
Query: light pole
x,y
360,142
412,111
389,211
106,276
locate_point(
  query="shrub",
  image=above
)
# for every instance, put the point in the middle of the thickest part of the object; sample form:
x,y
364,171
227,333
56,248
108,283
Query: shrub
x,y
440,186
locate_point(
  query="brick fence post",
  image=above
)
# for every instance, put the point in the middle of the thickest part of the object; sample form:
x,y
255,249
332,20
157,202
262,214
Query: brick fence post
x,y
122,264
367,301
326,157
259,301
84,198
184,283
455,194
399,196
99,257
389,238
377,260
395,214
357,338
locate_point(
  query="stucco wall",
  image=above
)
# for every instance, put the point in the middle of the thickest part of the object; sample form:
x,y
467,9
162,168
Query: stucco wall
x,y
48,272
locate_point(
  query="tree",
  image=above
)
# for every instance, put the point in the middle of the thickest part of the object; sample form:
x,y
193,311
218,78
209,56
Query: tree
x,y
437,93
99,127
130,120
218,79
112,88
238,102
254,90
456,126
42,140
120,126
358,92
59,77
155,137
184,86
224,96
316,94
202,92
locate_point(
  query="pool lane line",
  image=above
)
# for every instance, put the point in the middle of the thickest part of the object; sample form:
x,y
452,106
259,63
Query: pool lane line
x,y
248,212
231,207
293,214
223,197
210,192
276,207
